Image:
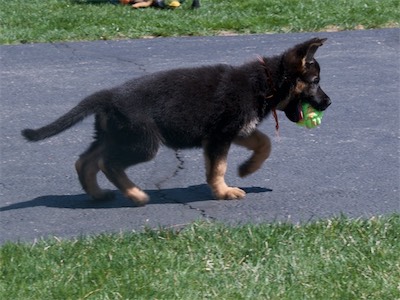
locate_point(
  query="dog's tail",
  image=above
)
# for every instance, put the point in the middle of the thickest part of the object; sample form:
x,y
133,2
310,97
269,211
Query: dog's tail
x,y
85,108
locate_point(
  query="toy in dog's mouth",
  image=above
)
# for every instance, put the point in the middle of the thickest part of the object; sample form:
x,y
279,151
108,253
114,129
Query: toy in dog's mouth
x,y
304,114
309,116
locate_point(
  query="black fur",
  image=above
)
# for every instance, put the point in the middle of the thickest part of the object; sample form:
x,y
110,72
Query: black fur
x,y
209,107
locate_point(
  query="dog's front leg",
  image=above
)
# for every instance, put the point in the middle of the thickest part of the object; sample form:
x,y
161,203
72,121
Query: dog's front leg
x,y
260,144
215,156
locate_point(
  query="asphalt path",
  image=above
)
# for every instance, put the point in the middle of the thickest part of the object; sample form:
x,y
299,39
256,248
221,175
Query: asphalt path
x,y
349,165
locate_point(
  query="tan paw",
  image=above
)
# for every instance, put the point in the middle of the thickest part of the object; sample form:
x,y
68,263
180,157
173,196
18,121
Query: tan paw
x,y
230,193
138,196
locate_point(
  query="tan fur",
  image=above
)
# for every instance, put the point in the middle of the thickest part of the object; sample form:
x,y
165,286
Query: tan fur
x,y
126,186
303,63
87,168
137,195
215,178
89,178
260,144
300,86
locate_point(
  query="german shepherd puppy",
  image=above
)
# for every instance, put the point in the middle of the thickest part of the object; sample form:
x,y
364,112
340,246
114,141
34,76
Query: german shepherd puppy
x,y
211,107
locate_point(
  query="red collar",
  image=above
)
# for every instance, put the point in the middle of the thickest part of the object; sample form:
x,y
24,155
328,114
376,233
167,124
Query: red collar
x,y
271,85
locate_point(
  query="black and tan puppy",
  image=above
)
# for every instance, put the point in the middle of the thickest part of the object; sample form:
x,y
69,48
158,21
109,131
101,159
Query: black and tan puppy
x,y
212,107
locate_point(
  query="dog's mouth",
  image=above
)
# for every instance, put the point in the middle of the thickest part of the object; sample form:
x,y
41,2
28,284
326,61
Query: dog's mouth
x,y
299,112
294,111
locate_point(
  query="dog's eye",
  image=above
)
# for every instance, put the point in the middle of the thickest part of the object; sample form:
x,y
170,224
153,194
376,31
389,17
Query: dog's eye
x,y
309,64
316,80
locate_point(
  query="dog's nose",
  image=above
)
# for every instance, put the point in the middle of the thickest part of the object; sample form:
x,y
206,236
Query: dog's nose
x,y
327,103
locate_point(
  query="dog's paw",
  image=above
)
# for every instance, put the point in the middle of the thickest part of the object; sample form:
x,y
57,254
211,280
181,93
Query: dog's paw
x,y
230,193
246,169
249,167
138,196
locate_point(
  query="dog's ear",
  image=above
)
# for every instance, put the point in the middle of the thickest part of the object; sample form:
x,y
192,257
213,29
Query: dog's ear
x,y
303,53
312,47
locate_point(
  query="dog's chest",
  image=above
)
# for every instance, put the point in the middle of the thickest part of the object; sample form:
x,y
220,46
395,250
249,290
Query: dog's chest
x,y
249,126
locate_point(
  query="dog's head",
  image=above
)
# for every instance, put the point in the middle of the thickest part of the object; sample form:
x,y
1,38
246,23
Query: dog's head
x,y
303,71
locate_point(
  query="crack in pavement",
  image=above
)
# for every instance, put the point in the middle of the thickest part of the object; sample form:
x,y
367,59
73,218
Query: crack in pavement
x,y
180,166
79,53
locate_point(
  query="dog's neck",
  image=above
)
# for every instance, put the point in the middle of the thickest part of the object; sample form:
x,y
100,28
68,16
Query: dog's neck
x,y
270,82
278,82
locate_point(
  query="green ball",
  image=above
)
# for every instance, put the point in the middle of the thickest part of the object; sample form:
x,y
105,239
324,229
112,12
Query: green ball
x,y
311,117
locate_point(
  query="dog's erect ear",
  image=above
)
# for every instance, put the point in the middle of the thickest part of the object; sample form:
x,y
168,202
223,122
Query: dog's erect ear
x,y
312,47
303,53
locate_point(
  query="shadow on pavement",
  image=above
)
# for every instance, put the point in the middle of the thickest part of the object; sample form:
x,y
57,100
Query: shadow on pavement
x,y
163,196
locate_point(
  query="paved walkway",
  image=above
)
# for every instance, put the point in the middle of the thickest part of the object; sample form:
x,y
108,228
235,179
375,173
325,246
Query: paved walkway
x,y
349,165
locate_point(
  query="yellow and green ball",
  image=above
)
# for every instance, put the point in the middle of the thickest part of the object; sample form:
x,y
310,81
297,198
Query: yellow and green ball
x,y
311,117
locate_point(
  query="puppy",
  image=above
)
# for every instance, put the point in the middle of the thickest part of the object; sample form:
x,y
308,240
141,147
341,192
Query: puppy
x,y
212,107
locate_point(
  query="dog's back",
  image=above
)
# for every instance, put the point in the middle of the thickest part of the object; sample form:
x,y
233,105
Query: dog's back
x,y
188,105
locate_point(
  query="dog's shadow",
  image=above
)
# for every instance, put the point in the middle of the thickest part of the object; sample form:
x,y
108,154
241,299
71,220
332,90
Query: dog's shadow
x,y
163,196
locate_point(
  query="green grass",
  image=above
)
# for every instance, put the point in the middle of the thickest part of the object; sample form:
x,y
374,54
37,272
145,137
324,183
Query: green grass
x,y
24,21
333,259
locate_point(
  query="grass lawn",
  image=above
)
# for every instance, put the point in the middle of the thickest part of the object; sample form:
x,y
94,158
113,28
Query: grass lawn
x,y
67,20
334,259
331,259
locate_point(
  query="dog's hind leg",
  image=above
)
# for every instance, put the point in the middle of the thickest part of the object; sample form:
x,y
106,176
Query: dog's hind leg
x,y
120,155
260,144
87,167
119,178
215,156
